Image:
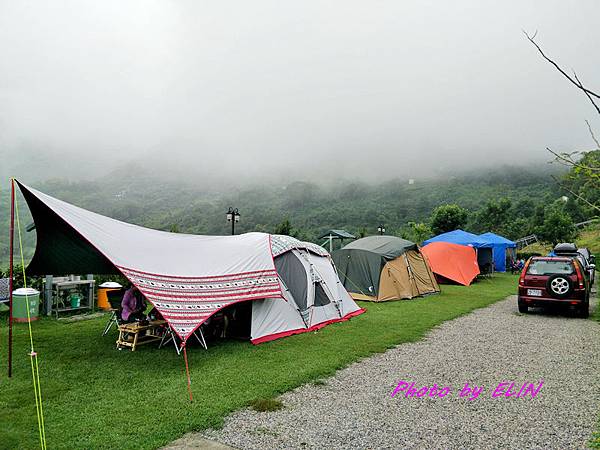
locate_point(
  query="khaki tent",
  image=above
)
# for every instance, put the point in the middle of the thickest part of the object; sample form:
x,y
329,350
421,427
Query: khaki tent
x,y
380,268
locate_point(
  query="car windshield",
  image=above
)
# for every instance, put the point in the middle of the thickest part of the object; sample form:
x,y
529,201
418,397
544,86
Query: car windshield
x,y
546,267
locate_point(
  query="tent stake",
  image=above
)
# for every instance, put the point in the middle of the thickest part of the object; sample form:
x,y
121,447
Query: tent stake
x,y
10,275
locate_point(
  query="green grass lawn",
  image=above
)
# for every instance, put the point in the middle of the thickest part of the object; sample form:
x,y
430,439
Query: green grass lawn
x,y
590,238
98,397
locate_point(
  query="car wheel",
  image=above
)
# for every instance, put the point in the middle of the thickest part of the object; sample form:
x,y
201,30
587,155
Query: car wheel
x,y
559,286
584,311
523,309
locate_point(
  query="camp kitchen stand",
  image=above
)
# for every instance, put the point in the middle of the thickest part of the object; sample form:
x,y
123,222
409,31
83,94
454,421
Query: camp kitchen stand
x,y
55,286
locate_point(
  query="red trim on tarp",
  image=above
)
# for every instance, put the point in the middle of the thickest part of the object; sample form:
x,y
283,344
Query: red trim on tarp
x,y
159,276
261,292
272,337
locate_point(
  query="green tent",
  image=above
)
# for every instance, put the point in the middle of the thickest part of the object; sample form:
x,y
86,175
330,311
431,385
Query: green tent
x,y
380,268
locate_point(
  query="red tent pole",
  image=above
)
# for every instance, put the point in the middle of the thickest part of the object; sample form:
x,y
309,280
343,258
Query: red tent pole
x,y
187,372
10,275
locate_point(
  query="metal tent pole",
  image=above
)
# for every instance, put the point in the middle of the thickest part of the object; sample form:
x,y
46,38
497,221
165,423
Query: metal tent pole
x,y
10,275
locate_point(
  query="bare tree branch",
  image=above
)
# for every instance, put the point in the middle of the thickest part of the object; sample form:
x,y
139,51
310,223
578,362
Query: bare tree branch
x,y
592,133
591,174
564,158
586,93
562,186
584,89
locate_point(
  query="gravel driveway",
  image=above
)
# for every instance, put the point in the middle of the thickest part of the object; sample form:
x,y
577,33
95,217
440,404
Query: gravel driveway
x,y
354,409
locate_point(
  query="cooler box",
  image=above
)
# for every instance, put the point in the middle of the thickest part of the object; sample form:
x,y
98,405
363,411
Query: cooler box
x,y
102,290
21,297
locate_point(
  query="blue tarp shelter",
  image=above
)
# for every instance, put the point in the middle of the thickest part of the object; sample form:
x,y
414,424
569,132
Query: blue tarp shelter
x,y
462,238
484,248
501,246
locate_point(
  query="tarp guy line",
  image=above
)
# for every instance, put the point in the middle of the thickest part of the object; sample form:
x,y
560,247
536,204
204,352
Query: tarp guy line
x,y
35,370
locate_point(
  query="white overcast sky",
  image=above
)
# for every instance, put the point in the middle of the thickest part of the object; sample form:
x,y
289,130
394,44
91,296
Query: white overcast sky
x,y
372,88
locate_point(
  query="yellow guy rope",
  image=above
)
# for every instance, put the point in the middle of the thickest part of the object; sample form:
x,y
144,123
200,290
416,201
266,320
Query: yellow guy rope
x,y
35,370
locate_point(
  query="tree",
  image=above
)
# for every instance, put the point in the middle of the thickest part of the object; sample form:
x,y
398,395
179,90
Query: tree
x,y
363,232
284,228
585,165
417,232
517,228
522,209
495,216
557,227
448,218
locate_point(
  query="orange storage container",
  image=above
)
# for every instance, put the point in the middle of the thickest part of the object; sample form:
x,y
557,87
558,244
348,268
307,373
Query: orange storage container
x,y
102,290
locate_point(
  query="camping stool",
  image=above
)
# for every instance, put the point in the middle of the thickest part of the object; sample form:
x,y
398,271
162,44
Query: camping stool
x,y
111,321
114,298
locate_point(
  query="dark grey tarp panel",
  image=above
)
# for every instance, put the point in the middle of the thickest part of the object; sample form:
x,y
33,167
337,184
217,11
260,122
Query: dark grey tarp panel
x,y
389,247
359,270
293,274
342,234
60,250
485,259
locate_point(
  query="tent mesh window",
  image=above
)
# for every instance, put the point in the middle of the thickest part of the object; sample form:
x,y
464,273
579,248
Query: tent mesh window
x,y
321,298
293,275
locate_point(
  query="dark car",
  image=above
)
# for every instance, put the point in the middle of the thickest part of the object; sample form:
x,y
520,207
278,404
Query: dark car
x,y
554,280
591,260
582,254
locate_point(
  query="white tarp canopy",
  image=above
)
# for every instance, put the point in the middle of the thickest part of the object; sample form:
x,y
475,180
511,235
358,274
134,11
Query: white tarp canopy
x,y
186,277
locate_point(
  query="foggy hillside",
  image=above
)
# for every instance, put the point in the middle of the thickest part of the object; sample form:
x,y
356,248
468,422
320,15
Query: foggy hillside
x,y
237,92
311,208
165,114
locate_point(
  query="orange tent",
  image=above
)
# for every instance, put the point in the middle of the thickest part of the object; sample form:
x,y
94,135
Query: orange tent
x,y
452,261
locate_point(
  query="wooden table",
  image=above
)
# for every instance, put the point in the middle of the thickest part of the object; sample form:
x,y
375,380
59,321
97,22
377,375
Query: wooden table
x,y
129,333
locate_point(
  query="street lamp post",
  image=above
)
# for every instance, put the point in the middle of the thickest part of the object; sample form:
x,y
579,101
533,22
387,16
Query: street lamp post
x,y
233,216
381,229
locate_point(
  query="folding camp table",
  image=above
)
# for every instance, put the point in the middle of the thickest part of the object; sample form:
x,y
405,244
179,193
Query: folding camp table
x,y
130,334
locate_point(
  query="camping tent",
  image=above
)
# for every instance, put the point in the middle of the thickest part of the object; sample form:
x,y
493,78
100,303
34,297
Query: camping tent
x,y
332,235
484,248
380,268
502,246
188,278
454,262
313,292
